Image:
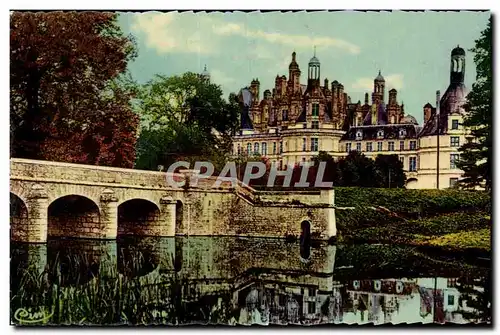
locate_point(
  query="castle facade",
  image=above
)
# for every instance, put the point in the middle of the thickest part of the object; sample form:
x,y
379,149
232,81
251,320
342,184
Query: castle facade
x,y
294,121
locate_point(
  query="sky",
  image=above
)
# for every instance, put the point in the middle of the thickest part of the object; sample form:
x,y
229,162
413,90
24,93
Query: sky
x,y
411,49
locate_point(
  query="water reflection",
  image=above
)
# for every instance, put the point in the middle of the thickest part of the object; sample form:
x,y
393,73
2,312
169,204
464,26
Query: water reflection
x,y
242,281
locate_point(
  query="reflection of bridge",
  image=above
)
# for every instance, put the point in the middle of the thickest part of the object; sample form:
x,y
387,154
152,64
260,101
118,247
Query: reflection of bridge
x,y
202,266
73,200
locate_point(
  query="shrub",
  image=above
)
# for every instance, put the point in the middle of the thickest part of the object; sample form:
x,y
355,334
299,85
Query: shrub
x,y
414,203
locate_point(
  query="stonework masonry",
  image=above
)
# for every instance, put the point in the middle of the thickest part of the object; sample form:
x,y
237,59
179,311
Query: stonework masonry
x,y
83,201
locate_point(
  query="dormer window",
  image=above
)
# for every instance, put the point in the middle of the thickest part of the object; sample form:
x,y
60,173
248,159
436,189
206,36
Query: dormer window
x,y
402,132
380,134
284,115
359,135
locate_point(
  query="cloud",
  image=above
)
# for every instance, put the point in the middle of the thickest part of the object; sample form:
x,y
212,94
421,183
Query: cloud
x,y
220,78
391,81
205,34
174,32
295,41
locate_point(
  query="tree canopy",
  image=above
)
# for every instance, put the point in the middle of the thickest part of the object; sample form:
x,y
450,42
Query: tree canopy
x,y
476,155
70,96
184,117
358,170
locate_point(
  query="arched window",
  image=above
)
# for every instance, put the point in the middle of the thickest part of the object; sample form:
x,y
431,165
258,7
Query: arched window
x,y
359,135
256,148
402,133
380,134
249,148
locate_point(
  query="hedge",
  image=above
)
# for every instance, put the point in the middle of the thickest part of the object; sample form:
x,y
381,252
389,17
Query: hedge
x,y
414,203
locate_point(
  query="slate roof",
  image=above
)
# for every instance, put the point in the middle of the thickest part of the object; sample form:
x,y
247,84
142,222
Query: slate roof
x,y
390,131
451,101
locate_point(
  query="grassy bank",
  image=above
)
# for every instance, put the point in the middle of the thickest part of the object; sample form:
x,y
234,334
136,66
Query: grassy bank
x,y
448,219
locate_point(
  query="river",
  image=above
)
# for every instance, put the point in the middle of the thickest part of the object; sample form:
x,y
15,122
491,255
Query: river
x,y
241,281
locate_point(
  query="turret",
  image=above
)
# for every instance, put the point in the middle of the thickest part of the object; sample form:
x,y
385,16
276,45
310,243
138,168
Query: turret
x,y
378,88
457,66
427,112
313,71
254,88
393,97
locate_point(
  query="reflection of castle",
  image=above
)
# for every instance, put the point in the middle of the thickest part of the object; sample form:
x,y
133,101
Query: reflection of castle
x,y
268,302
293,122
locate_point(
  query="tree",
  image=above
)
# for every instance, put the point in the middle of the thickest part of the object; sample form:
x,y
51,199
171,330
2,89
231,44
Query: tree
x,y
476,155
192,111
359,170
70,100
390,170
332,169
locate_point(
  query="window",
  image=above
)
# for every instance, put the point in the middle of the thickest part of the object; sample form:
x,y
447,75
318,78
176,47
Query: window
x,y
402,133
249,148
281,165
380,134
315,125
281,147
454,124
314,144
264,148
401,145
304,144
239,149
274,148
453,182
413,164
379,146
451,300
453,160
284,115
402,160
413,145
315,109
359,135
454,141
256,148
358,147
304,125
369,146
391,146
348,147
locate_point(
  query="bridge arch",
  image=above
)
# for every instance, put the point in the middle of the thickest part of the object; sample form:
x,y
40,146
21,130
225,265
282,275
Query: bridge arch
x,y
305,239
74,216
18,218
139,217
179,216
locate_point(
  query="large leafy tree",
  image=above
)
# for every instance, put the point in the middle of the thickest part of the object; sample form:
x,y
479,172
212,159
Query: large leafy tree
x,y
359,170
476,154
70,96
390,170
185,117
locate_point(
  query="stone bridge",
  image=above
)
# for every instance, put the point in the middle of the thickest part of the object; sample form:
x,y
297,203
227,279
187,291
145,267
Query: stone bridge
x,y
84,201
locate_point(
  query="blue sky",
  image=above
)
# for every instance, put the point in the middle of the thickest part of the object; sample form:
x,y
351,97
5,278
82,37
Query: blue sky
x,y
411,49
